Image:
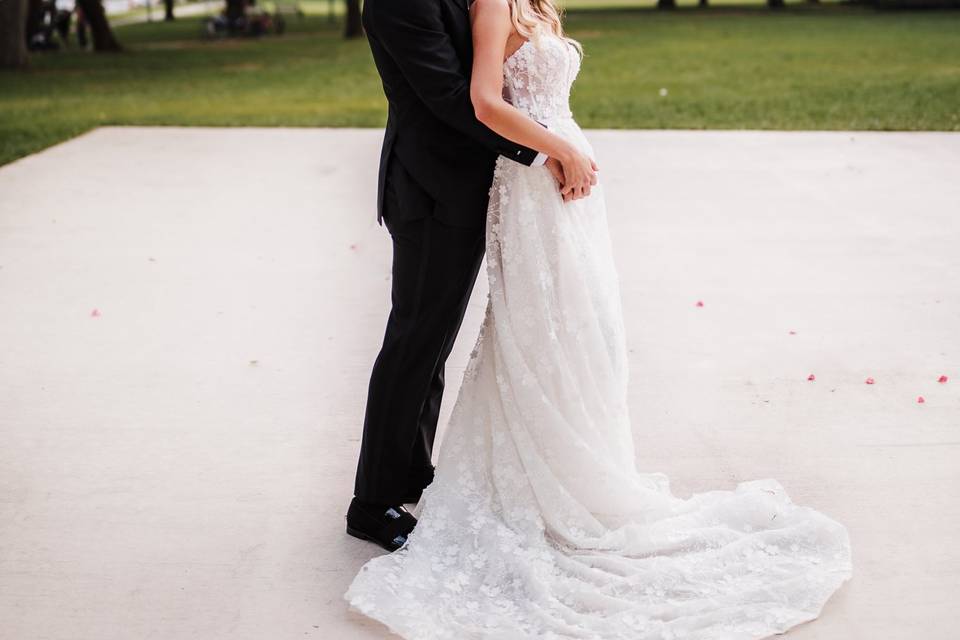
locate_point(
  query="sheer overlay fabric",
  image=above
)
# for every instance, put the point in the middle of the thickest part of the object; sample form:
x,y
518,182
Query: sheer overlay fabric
x,y
538,524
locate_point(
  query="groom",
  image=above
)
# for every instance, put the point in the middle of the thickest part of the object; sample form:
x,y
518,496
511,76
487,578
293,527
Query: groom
x,y
436,167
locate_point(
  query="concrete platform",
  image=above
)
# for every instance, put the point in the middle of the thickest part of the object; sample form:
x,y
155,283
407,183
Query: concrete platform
x,y
176,464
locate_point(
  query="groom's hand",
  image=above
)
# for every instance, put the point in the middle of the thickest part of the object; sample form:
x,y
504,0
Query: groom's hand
x,y
557,170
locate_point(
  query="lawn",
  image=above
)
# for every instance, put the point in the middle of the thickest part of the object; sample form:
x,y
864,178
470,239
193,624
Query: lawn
x,y
825,67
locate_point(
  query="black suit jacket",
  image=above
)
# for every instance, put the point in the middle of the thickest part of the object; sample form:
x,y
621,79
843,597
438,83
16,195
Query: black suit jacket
x,y
424,53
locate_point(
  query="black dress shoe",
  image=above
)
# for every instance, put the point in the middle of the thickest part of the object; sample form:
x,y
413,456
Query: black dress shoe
x,y
384,525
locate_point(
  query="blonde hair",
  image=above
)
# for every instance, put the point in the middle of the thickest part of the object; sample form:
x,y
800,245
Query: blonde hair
x,y
532,17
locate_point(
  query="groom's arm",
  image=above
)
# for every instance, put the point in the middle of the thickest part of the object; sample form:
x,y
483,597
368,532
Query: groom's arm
x,y
413,33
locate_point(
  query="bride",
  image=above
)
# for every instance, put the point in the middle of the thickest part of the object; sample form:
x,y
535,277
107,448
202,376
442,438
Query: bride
x,y
537,524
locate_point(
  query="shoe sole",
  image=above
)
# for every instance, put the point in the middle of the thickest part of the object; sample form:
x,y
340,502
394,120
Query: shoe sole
x,y
356,533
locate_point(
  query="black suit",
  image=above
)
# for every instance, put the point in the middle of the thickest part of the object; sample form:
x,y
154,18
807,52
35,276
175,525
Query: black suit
x,y
436,167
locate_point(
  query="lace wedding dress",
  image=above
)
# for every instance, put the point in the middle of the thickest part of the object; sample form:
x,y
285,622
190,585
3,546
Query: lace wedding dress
x,y
537,524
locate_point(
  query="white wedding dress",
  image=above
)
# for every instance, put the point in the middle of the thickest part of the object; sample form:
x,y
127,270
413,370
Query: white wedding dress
x,y
537,524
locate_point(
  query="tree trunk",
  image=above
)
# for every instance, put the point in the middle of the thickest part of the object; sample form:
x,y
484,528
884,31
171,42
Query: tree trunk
x,y
666,4
775,4
703,4
354,27
34,16
13,37
96,17
168,16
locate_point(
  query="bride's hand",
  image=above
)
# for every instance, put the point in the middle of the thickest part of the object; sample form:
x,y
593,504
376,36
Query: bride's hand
x,y
579,173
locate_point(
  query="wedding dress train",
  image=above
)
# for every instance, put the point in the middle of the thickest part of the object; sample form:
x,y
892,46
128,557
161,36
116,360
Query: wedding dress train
x,y
538,524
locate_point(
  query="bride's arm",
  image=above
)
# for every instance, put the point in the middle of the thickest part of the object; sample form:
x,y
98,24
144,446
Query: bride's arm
x,y
492,27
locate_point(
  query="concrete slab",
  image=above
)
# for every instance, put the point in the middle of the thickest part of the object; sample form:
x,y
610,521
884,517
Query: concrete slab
x,y
177,465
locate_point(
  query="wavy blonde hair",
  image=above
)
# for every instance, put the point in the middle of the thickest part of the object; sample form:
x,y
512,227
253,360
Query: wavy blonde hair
x,y
532,17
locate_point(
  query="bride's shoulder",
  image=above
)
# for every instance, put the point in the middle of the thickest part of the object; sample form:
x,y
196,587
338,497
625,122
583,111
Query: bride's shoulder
x,y
491,21
491,7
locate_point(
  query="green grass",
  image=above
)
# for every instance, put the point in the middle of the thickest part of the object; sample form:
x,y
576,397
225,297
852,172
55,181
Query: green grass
x,y
824,68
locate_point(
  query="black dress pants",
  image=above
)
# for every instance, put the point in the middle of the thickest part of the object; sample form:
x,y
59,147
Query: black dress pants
x,y
435,266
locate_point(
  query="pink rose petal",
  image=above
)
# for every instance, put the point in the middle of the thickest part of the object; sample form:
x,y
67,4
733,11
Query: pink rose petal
x,y
869,381
920,400
793,333
811,377
942,379
699,303
95,313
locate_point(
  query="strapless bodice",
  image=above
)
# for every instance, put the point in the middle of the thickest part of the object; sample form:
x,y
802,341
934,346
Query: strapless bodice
x,y
538,77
